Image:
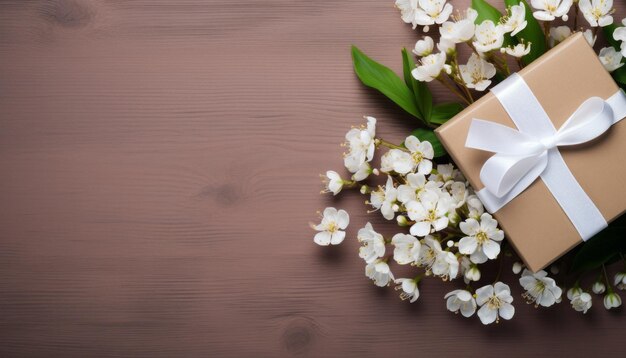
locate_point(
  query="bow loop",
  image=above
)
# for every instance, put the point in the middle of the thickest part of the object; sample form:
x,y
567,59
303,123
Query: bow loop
x,y
520,156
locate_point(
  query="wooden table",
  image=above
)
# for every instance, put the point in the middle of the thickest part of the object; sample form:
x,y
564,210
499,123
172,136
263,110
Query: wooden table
x,y
160,165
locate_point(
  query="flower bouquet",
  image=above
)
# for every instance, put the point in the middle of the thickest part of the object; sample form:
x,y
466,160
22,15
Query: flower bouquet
x,y
445,231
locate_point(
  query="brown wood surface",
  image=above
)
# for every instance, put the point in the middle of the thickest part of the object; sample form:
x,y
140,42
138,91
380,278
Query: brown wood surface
x,y
159,169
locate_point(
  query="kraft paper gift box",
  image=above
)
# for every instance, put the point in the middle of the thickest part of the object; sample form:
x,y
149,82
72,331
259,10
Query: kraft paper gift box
x,y
534,222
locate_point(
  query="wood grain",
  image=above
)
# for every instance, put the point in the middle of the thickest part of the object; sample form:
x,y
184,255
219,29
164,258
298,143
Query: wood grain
x,y
159,168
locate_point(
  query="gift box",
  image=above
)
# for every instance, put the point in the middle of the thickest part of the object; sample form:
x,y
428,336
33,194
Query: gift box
x,y
550,184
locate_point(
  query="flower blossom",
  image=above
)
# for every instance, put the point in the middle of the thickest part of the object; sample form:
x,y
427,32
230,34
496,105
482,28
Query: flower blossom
x,y
333,182
611,59
540,289
331,228
429,67
433,12
361,143
612,300
409,288
488,36
461,30
597,12
407,248
460,301
424,47
549,10
373,244
428,213
620,35
483,239
379,272
384,199
495,302
477,73
519,50
516,20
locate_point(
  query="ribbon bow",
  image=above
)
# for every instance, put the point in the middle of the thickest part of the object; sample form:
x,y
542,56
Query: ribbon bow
x,y
522,155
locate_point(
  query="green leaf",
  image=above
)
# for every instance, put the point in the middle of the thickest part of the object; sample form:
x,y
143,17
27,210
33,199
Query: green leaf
x,y
421,93
381,78
619,75
424,134
445,111
600,250
533,33
608,34
485,12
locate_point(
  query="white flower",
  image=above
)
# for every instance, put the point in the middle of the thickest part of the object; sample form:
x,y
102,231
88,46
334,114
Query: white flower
x,y
409,288
548,10
459,193
475,207
540,289
620,280
363,171
495,302
472,273
598,287
488,36
415,185
581,302
597,12
461,30
433,12
517,267
396,159
331,228
421,153
373,244
620,35
429,251
361,144
590,37
408,11
573,292
611,59
445,174
407,248
483,239
333,182
446,265
519,50
429,67
385,199
429,212
461,300
612,300
379,272
477,73
448,47
516,21
424,47
559,34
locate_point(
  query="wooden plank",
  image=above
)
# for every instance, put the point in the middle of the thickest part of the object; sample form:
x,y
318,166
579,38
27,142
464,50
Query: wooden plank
x,y
160,165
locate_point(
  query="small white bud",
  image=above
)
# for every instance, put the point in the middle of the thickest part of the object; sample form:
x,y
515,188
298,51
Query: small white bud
x,y
402,221
517,267
554,269
598,288
450,243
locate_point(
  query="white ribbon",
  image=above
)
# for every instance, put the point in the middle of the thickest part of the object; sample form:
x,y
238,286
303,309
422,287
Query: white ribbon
x,y
531,151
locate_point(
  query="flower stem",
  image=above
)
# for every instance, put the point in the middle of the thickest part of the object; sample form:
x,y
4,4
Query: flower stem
x,y
499,270
609,287
546,29
384,143
453,90
575,17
